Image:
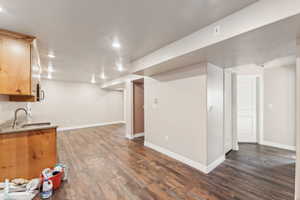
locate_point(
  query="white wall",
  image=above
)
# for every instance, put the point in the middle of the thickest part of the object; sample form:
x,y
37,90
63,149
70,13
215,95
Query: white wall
x,y
175,112
279,105
70,104
7,108
184,115
297,187
215,99
228,110
128,92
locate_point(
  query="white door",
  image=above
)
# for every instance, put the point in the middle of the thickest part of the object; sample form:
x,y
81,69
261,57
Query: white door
x,y
228,112
246,108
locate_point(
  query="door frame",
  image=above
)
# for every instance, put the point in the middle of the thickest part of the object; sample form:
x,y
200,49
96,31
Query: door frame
x,y
228,89
129,106
260,109
297,182
134,83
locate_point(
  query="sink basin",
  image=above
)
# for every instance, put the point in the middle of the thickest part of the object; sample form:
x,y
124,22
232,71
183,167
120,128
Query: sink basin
x,y
36,124
19,196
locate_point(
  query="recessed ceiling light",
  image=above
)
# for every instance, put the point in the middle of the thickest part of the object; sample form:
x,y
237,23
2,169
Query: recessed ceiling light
x,y
37,76
93,79
1,9
116,45
51,55
120,67
49,75
50,68
35,68
102,76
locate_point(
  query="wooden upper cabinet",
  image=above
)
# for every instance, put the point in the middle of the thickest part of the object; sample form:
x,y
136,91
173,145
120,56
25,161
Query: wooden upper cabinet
x,y
15,64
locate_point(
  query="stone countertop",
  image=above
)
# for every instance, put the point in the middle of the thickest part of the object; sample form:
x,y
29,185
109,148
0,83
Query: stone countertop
x,y
6,127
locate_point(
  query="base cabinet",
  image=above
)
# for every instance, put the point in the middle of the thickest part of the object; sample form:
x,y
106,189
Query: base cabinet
x,y
26,154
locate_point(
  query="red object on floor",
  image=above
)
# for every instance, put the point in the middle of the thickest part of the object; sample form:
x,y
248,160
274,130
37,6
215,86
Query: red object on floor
x,y
56,180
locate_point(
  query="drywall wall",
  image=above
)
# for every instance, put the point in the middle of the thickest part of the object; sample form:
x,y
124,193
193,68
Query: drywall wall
x,y
7,108
279,105
176,113
71,104
215,100
297,187
128,93
228,136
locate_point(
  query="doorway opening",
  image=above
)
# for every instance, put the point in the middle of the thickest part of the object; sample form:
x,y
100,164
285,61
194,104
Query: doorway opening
x,y
260,121
138,108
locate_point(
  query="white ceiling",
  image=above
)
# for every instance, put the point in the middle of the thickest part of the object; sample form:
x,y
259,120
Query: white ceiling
x,y
272,42
80,32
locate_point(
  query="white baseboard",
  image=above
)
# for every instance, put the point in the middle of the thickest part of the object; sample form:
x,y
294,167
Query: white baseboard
x,y
187,161
280,146
129,137
215,164
138,135
90,125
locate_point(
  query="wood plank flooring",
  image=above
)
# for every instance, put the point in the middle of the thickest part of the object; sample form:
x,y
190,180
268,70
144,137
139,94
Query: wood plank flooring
x,y
105,165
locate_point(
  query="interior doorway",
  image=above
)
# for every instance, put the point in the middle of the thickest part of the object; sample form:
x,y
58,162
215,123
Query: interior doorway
x,y
262,112
243,106
138,108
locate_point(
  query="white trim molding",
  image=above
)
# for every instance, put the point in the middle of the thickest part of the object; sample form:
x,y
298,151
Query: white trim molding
x,y
185,160
215,164
136,135
277,145
297,186
89,126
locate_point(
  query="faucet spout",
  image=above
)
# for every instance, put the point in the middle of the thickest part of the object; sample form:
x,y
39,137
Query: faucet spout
x,y
16,115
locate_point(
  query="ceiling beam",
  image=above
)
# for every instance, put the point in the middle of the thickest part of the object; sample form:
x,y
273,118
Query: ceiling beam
x,y
255,16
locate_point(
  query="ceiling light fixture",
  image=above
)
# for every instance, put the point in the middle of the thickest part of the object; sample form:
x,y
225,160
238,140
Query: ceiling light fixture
x,y
37,76
51,55
93,79
1,9
116,44
120,67
102,76
50,68
49,75
35,68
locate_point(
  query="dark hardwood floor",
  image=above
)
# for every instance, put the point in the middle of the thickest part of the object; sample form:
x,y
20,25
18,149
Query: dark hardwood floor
x,y
105,165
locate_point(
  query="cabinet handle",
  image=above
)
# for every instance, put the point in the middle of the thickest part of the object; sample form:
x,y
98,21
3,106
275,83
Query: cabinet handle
x,y
19,91
42,95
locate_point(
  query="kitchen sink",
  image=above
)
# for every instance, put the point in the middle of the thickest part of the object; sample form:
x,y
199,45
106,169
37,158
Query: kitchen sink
x,y
36,124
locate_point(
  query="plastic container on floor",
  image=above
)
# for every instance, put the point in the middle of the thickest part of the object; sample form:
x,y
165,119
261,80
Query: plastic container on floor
x,y
56,180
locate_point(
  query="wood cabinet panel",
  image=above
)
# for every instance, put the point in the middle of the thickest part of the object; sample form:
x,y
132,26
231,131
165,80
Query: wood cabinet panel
x,y
15,66
25,155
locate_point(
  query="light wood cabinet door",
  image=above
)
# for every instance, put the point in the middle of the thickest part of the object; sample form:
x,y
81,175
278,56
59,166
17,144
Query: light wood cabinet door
x,y
26,154
15,66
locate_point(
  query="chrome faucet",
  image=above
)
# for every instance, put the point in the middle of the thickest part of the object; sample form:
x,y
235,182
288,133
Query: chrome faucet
x,y
16,116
